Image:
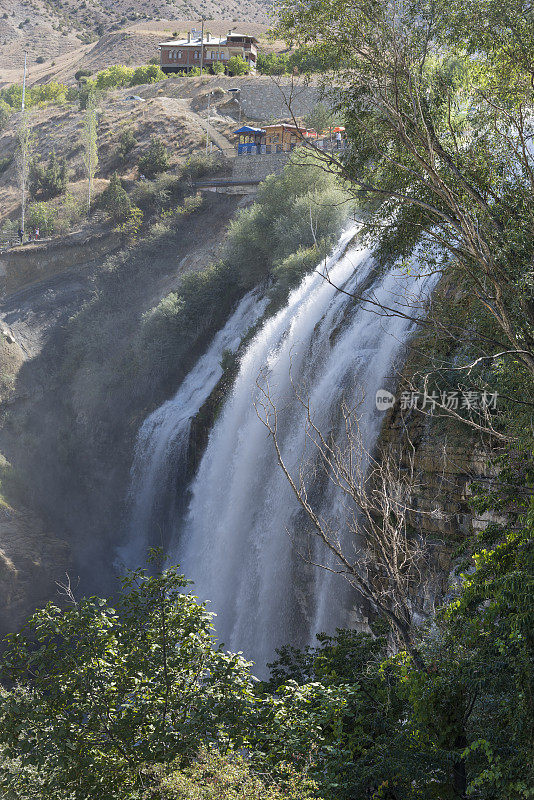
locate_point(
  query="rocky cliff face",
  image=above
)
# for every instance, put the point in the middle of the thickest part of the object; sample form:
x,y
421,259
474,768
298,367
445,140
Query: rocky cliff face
x,y
448,461
31,560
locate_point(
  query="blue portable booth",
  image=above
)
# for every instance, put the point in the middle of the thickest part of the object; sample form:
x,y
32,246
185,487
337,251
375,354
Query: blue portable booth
x,y
250,139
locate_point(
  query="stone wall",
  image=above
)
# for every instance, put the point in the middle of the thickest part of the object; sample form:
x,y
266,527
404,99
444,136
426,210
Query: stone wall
x,y
257,166
272,100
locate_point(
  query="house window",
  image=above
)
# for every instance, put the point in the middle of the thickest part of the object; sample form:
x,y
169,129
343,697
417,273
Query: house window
x,y
212,55
179,53
196,54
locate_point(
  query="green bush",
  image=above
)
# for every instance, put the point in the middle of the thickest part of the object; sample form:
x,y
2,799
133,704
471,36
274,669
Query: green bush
x,y
5,161
50,180
157,195
217,68
200,306
301,60
289,272
82,73
194,72
273,64
155,160
199,165
293,210
238,66
5,114
127,142
42,216
213,776
151,73
115,200
114,76
143,677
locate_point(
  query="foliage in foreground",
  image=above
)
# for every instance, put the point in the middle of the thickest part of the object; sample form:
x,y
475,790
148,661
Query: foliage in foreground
x,y
213,776
136,699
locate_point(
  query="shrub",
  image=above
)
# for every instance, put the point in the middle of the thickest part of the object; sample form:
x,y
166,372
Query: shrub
x,y
52,92
194,72
213,776
155,160
42,216
116,75
273,64
50,180
5,114
289,272
119,702
151,73
197,166
199,306
5,161
86,93
238,66
218,68
115,200
40,60
12,95
82,73
281,220
156,195
127,142
132,224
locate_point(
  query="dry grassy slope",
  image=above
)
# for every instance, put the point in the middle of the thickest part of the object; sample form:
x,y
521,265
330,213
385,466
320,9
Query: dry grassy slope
x,y
59,128
175,110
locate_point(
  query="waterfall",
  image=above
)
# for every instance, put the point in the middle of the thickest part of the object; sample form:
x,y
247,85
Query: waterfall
x,y
160,460
233,540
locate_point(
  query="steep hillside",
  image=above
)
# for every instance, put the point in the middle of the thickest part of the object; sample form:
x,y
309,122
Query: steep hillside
x,y
58,34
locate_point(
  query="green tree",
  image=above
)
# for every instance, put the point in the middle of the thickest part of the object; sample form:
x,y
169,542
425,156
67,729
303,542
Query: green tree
x,y
216,777
42,216
320,118
438,137
217,68
155,160
101,690
115,199
50,180
5,114
23,154
238,66
150,73
90,147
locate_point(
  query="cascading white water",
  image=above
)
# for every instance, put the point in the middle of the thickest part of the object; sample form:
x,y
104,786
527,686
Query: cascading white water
x,y
159,468
233,539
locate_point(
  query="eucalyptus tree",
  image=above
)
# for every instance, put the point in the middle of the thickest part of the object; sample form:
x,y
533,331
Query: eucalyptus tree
x,y
437,99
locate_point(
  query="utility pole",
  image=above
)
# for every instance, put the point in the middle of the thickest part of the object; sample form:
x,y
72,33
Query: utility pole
x,y
202,48
24,155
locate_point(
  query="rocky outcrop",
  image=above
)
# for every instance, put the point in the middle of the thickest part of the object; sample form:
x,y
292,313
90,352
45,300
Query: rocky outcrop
x,y
31,560
33,262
